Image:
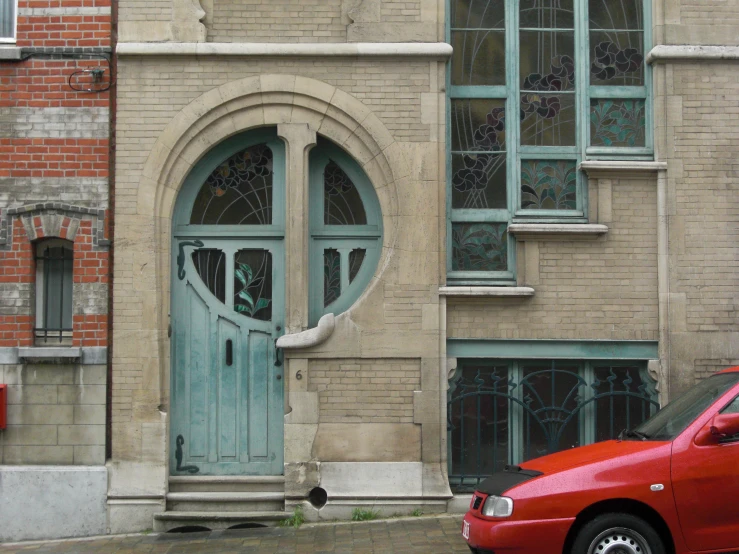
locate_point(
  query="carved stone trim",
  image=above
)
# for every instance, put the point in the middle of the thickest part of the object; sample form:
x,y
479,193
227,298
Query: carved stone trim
x,y
52,215
665,53
312,337
434,50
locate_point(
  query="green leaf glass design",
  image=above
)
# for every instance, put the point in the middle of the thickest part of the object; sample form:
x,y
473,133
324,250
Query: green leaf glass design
x,y
548,185
253,284
331,275
479,247
617,123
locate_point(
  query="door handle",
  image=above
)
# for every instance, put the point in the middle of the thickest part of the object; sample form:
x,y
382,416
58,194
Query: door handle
x,y
229,352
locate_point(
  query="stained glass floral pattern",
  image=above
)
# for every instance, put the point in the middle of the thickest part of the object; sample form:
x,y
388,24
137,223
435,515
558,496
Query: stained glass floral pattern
x,y
617,122
253,284
479,247
238,191
342,204
614,63
548,185
478,165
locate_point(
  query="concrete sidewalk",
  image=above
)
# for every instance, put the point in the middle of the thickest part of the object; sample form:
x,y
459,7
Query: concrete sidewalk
x,y
427,535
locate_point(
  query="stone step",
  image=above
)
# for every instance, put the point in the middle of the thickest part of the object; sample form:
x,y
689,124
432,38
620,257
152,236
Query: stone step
x,y
215,520
225,501
256,483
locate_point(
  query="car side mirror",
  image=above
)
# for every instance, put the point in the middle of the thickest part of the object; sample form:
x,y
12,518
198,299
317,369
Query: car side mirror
x,y
721,426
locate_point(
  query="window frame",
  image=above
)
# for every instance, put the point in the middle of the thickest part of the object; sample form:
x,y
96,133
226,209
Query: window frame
x,y
41,332
14,38
344,238
516,153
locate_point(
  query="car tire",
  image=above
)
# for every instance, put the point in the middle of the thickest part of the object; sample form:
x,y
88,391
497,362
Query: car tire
x,y
618,533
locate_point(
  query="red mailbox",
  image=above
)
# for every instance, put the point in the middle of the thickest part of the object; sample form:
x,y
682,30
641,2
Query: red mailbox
x,y
3,404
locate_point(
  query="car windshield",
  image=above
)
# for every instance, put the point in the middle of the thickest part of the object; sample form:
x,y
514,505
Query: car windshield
x,y
671,420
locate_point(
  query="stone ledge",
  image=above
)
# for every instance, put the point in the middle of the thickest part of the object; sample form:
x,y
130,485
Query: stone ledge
x,y
500,292
49,353
440,50
557,231
624,168
10,53
88,355
688,53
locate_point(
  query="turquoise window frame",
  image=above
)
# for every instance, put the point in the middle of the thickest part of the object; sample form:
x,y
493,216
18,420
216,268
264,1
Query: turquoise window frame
x,y
516,153
344,238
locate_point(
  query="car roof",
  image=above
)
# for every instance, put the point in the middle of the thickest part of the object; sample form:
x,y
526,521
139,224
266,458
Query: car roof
x,y
730,370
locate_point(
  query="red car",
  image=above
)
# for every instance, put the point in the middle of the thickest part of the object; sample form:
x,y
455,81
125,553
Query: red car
x,y
671,485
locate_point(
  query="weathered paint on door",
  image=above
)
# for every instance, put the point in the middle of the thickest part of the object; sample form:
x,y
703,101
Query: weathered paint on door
x,y
226,313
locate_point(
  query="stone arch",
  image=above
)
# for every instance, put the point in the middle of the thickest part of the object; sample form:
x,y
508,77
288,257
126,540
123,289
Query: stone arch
x,y
250,103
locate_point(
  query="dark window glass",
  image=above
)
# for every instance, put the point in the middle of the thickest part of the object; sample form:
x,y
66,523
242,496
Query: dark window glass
x,y
331,275
342,204
479,247
211,267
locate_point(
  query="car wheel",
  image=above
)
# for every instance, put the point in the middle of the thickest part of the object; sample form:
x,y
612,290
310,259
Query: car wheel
x,y
618,534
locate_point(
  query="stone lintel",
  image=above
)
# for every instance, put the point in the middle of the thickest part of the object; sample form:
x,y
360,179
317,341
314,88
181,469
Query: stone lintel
x,y
557,231
439,50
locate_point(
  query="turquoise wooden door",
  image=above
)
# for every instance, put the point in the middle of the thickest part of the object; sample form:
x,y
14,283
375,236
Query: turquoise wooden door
x,y
227,311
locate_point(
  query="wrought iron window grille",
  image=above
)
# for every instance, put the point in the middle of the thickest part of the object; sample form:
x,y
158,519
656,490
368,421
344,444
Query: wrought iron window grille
x,y
54,269
506,412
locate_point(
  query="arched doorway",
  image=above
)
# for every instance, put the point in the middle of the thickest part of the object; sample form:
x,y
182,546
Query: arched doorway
x,y
228,293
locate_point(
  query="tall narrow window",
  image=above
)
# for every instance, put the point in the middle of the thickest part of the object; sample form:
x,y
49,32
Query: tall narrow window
x,y
346,228
54,266
8,20
572,75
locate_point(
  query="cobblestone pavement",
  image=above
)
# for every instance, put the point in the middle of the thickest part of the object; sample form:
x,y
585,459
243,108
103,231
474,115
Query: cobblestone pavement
x,y
427,535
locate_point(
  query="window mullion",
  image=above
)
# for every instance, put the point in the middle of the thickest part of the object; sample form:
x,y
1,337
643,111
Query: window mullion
x,y
513,124
582,81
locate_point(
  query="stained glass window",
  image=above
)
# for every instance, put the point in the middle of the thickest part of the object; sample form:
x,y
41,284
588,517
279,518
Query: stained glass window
x,y
252,282
210,265
346,230
573,74
238,191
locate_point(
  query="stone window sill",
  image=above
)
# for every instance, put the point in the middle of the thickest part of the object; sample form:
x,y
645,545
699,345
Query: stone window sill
x,y
499,292
557,231
621,168
9,53
42,354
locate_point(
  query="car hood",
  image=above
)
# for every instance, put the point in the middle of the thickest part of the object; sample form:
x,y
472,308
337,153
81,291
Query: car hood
x,y
584,455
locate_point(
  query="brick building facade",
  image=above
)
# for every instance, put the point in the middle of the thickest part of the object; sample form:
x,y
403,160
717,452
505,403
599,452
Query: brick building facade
x,y
55,99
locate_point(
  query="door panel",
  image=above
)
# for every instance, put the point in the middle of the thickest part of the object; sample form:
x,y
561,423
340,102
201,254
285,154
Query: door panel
x,y
227,394
705,482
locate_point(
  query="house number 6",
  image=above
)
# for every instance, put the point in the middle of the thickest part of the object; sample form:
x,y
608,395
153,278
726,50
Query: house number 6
x,y
298,375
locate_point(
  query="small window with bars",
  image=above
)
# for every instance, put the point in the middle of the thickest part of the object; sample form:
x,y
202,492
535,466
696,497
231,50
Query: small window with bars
x,y
54,281
8,16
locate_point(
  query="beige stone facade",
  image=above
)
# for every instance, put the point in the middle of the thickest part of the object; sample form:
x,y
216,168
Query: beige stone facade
x,y
656,262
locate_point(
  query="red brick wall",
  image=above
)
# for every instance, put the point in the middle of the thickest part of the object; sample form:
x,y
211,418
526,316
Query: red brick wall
x,y
57,152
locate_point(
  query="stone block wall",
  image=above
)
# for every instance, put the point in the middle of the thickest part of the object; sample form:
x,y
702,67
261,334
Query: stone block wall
x,y
56,414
